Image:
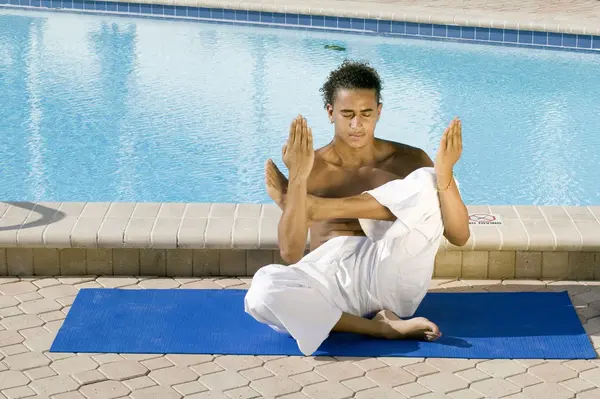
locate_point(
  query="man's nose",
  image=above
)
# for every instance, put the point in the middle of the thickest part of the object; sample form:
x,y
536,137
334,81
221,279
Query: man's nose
x,y
354,123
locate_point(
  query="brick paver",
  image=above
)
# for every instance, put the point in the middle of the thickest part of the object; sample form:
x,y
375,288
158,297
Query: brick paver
x,y
31,371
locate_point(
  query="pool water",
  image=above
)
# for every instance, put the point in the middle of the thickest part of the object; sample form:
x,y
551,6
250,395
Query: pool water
x,y
106,108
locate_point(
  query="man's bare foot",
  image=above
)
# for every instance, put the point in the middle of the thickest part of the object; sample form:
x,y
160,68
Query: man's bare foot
x,y
276,183
415,328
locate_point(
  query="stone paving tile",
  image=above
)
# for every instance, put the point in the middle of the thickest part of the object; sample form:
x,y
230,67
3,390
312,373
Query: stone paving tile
x,y
329,389
501,368
306,379
257,373
189,388
390,377
89,377
12,378
242,393
238,363
13,350
524,380
104,390
553,372
173,375
18,393
7,301
139,383
465,394
275,386
420,369
379,393
123,370
27,368
495,387
39,373
211,368
592,394
548,390
411,390
157,363
74,365
8,338
577,385
190,360
107,358
339,371
54,385
208,395
26,361
359,384
158,392
287,366
443,382
20,322
28,297
69,395
369,364
224,380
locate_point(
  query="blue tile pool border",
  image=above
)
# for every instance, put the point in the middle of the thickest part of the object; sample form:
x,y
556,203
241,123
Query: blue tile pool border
x,y
456,33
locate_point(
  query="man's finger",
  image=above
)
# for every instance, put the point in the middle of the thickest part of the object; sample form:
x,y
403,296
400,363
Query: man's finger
x,y
451,135
460,143
444,140
310,139
456,138
298,132
303,136
292,131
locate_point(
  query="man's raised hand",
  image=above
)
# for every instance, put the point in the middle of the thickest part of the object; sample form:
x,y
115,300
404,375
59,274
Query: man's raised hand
x,y
298,153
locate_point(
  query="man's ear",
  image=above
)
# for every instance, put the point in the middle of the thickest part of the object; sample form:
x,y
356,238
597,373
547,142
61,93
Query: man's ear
x,y
330,112
379,110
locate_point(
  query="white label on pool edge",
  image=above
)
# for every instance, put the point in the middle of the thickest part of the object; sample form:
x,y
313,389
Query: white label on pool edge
x,y
485,219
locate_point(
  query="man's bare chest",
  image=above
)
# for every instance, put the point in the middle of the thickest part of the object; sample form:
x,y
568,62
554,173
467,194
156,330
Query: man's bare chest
x,y
339,183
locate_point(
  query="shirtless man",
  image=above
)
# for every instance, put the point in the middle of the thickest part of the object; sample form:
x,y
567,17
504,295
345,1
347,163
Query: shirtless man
x,y
325,192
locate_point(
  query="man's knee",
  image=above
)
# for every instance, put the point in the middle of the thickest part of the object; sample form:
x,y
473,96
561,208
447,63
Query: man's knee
x,y
261,290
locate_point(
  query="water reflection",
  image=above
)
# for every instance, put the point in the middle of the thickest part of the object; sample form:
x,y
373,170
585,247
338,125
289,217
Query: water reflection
x,y
97,108
114,46
35,140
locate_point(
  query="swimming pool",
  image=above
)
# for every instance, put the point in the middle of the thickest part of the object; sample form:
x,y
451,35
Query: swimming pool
x,y
104,108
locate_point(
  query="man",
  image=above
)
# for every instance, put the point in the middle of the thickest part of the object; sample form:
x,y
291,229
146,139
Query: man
x,y
376,211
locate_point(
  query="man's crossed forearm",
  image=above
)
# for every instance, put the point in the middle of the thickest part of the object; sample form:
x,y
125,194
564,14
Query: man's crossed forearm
x,y
301,209
293,225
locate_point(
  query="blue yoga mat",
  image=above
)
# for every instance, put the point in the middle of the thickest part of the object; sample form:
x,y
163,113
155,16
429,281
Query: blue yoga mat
x,y
521,325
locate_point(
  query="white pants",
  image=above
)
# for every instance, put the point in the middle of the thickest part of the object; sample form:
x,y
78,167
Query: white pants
x,y
390,268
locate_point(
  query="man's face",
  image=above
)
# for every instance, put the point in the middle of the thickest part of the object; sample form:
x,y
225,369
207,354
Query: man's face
x,y
355,114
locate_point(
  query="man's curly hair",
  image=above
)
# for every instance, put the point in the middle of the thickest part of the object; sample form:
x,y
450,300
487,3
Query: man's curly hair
x,y
351,75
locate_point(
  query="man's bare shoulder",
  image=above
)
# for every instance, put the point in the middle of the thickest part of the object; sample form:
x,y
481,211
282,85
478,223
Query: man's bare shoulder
x,y
404,157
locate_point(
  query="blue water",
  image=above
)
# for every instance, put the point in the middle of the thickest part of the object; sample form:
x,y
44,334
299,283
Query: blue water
x,y
103,108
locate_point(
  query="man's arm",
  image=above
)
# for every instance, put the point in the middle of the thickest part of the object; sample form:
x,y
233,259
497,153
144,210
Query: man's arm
x,y
298,155
362,206
454,212
293,225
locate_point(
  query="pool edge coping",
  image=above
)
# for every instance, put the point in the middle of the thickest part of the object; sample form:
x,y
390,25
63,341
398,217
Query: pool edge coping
x,y
216,239
254,226
574,33
388,12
